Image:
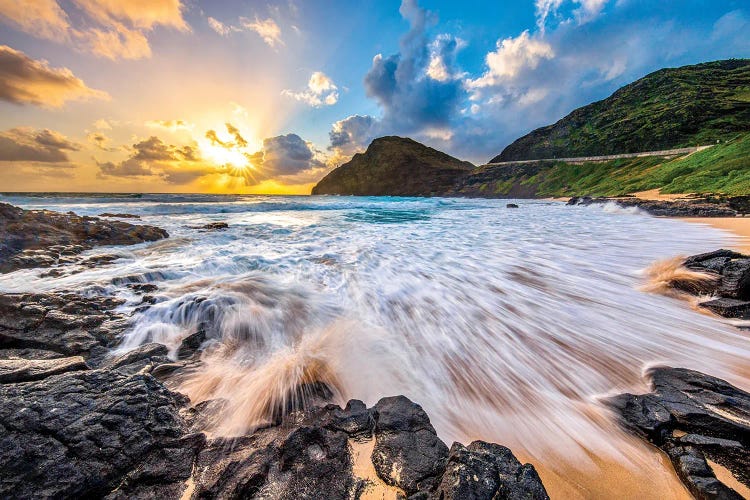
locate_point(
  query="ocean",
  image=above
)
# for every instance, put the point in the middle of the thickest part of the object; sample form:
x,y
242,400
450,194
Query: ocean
x,y
507,325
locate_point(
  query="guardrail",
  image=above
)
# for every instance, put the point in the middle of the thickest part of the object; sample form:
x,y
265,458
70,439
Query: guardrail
x,y
667,153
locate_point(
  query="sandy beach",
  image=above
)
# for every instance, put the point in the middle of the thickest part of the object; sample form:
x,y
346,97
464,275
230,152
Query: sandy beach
x,y
739,226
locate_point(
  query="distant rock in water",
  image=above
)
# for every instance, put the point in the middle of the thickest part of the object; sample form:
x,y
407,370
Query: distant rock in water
x,y
395,166
511,205
42,238
120,216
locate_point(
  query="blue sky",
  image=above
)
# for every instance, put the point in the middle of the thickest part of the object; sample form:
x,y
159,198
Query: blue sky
x,y
171,95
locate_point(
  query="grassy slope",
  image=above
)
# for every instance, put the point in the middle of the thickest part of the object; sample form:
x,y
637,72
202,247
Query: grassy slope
x,y
724,168
670,108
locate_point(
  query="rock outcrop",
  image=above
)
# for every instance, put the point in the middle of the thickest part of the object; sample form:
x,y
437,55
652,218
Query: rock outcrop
x,y
698,207
42,238
701,422
77,421
726,283
395,166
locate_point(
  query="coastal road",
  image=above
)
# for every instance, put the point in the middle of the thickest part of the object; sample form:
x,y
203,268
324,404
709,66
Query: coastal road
x,y
667,153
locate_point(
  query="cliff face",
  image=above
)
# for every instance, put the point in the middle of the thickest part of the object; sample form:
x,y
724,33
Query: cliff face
x,y
395,166
669,108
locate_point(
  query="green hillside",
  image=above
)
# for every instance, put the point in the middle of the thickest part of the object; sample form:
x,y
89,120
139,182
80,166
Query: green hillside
x,y
721,169
670,108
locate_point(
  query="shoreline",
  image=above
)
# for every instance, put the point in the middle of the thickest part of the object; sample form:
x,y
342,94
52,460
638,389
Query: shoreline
x,y
738,227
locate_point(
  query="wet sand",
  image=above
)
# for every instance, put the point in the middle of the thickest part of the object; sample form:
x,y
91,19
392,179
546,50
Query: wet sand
x,y
739,226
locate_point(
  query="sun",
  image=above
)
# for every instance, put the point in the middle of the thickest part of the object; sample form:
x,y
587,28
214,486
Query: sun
x,y
221,155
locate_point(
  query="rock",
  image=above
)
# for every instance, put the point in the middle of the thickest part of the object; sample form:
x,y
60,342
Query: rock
x,y
740,204
120,216
25,370
735,279
211,226
711,261
485,470
67,324
729,308
78,434
693,417
511,205
408,453
42,238
136,360
191,344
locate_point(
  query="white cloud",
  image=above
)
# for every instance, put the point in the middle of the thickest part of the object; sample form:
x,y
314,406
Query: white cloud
x,y
320,91
268,30
219,27
511,57
108,28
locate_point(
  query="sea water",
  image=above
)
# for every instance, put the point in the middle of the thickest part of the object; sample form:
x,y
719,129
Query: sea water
x,y
508,325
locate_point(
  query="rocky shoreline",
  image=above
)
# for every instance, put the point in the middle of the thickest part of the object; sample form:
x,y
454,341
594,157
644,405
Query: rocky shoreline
x,y
76,420
702,206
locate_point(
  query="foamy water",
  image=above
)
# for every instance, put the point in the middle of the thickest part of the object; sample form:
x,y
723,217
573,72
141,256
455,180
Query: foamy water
x,y
505,325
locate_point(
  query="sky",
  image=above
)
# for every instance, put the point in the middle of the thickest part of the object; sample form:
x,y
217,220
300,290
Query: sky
x,y
267,97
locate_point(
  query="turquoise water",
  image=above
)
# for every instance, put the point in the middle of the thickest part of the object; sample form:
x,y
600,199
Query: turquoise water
x,y
506,325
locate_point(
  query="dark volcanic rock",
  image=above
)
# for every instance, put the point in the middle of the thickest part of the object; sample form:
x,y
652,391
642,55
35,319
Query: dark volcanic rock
x,y
67,324
41,238
511,205
212,226
729,308
78,434
120,216
678,208
395,166
407,453
693,418
25,370
486,470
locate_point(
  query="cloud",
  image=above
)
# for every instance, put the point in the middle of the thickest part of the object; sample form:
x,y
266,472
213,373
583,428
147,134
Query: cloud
x,y
512,56
287,156
153,156
352,134
219,27
101,141
26,144
102,124
238,143
320,91
108,28
28,81
171,125
268,30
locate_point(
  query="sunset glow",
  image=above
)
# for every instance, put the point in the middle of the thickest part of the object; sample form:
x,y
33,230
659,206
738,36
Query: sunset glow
x,y
175,96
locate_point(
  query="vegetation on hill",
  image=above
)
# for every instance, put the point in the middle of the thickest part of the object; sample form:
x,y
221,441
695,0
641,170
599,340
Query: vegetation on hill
x,y
670,108
395,166
721,169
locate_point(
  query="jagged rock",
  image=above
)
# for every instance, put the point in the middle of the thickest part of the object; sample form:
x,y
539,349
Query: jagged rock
x,y
78,434
711,261
42,238
407,453
735,279
136,360
24,370
693,417
64,323
729,308
485,470
191,344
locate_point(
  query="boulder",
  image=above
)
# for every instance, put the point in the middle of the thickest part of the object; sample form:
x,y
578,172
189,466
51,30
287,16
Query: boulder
x,y
729,308
693,418
24,370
